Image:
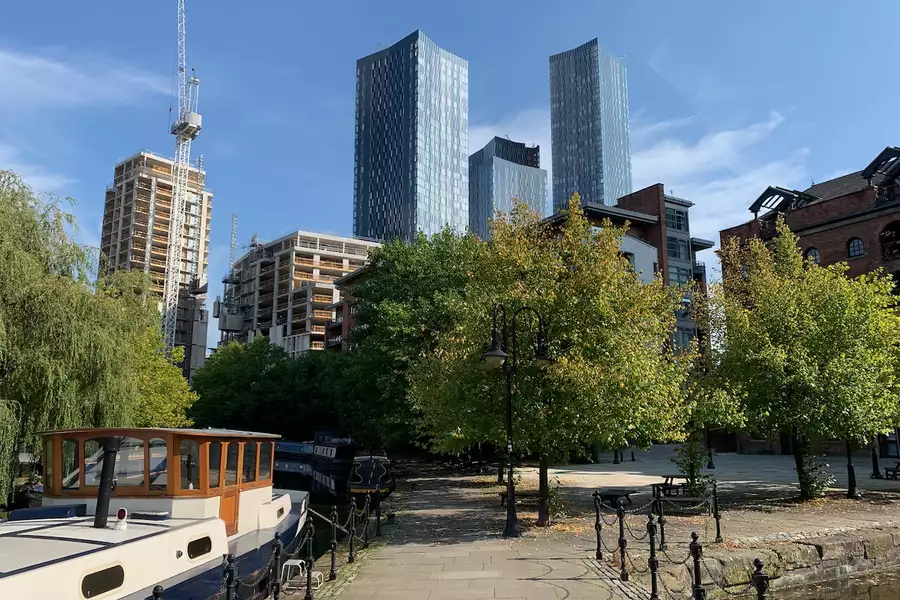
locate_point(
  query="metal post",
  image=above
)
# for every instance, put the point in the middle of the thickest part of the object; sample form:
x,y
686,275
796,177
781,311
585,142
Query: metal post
x,y
366,528
632,456
230,578
662,520
716,514
332,574
653,562
275,572
760,580
876,470
852,492
309,561
623,542
615,457
500,472
158,593
511,529
709,462
697,553
352,557
598,525
378,510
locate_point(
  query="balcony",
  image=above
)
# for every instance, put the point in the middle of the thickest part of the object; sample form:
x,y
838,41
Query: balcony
x,y
317,329
317,345
322,314
328,264
699,268
322,299
308,262
266,298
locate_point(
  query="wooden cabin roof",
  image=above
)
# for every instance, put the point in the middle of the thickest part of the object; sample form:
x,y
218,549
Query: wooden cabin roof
x,y
124,431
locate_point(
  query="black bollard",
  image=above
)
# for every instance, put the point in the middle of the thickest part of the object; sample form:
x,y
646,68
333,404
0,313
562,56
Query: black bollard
x,y
366,528
699,593
378,510
709,462
615,457
230,578
632,456
623,542
158,593
876,470
598,525
760,580
716,514
662,521
332,574
352,557
275,572
653,562
310,561
852,492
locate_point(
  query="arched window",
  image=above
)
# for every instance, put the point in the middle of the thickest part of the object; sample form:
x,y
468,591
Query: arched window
x,y
890,241
812,253
855,248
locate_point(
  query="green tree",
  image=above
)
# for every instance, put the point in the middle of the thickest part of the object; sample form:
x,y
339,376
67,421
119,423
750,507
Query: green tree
x,y
804,349
164,394
614,376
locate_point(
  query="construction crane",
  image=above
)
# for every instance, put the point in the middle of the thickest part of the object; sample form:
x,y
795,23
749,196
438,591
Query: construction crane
x,y
185,129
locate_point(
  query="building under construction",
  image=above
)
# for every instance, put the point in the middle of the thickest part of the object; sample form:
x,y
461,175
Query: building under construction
x,y
136,223
284,290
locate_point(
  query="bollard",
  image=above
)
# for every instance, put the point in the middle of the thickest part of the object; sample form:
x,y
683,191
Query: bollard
x,y
662,521
760,580
716,514
598,526
230,578
332,574
623,542
632,456
366,528
378,510
275,573
653,562
697,553
309,561
615,457
352,557
158,593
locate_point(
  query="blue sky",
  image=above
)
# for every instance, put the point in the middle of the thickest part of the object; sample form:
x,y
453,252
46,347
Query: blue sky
x,y
726,98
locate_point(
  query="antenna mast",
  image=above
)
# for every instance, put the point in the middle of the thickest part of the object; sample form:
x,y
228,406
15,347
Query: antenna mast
x,y
186,128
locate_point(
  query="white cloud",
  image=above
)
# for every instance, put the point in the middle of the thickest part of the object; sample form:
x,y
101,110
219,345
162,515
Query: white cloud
x,y
32,81
40,178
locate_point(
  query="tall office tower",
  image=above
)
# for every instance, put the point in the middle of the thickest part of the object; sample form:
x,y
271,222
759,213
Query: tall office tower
x,y
499,173
136,218
589,126
411,170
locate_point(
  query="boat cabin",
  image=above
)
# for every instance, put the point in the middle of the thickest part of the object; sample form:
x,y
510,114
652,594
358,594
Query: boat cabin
x,y
187,473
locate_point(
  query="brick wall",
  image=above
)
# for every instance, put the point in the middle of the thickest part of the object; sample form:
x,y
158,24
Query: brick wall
x,y
652,201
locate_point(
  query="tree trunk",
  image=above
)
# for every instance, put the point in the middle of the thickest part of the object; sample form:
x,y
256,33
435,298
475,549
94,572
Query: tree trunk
x,y
801,450
543,519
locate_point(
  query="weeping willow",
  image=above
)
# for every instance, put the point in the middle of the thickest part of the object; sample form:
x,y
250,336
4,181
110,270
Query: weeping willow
x,y
69,351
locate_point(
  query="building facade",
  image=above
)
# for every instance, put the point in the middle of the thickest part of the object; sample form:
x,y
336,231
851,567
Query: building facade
x,y
135,236
589,126
284,290
499,173
412,141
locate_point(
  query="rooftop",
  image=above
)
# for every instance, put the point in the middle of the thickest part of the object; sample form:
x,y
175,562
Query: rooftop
x,y
209,432
613,213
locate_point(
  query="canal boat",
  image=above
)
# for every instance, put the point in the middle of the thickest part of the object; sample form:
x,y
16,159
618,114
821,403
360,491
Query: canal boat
x,y
372,476
180,501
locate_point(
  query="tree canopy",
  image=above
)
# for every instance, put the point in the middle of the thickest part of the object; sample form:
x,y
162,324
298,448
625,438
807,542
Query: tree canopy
x,y
803,349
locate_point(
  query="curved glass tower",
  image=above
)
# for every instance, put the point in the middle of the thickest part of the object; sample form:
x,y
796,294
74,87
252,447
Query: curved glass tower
x,y
412,141
589,126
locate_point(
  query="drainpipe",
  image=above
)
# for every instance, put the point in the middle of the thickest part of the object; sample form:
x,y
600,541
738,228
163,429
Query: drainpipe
x,y
110,448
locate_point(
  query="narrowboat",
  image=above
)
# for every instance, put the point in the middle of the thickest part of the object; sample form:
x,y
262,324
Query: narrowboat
x,y
371,475
125,510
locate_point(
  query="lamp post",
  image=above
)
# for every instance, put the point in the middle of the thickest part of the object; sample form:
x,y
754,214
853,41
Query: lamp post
x,y
497,357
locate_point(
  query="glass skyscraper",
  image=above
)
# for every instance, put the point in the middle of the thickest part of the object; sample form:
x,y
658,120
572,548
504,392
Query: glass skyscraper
x,y
412,141
589,126
499,173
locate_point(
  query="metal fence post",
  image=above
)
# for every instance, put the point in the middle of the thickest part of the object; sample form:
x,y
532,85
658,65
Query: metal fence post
x,y
378,510
366,513
598,526
760,580
332,574
716,514
653,562
275,571
623,542
661,520
352,557
310,561
158,593
230,578
697,553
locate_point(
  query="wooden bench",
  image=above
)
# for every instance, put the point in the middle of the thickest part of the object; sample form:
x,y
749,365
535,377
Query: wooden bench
x,y
892,473
519,496
667,489
611,496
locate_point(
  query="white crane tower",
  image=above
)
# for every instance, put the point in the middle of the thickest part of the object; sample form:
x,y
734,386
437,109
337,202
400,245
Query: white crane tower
x,y
185,129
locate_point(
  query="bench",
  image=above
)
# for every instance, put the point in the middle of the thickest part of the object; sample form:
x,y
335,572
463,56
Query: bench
x,y
667,489
611,496
892,473
519,496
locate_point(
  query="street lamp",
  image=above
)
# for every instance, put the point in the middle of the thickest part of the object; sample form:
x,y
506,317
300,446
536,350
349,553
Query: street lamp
x,y
496,357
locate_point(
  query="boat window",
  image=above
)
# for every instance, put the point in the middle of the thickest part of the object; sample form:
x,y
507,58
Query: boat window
x,y
48,462
158,464
93,461
215,464
129,463
249,468
189,452
199,547
265,460
100,582
231,464
71,465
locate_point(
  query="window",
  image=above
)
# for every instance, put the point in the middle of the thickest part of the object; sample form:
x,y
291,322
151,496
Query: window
x,y
215,464
93,461
812,254
158,475
855,248
71,467
189,453
630,258
199,547
231,464
676,219
129,463
101,582
249,466
679,275
265,460
678,248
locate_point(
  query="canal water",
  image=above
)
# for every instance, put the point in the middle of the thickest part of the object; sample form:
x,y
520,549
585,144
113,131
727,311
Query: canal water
x,y
880,585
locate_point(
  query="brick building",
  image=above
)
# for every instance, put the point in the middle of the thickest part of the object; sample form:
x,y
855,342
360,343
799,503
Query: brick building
x,y
854,218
